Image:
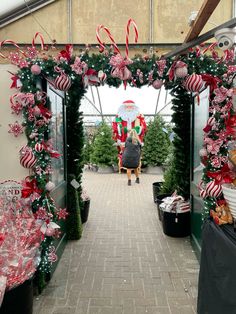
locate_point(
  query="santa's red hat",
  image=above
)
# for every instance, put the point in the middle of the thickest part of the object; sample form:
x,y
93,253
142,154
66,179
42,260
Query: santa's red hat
x,y
128,102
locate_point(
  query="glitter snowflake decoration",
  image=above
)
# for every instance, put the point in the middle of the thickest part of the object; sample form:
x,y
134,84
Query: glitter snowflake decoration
x,y
62,213
16,128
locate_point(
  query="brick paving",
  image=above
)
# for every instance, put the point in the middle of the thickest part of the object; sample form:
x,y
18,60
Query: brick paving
x,y
123,264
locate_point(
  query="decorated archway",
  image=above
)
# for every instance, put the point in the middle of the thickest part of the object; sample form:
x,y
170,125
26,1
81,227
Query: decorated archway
x,y
189,73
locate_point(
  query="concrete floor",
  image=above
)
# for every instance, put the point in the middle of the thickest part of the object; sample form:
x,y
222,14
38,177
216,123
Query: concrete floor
x,y
123,264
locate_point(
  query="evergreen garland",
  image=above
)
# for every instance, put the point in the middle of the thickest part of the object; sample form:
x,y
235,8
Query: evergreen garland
x,y
75,143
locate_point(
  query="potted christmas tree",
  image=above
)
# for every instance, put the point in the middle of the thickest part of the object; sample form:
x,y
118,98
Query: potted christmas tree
x,y
104,153
156,144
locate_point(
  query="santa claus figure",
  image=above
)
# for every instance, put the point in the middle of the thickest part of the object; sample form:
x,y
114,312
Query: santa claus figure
x,y
127,118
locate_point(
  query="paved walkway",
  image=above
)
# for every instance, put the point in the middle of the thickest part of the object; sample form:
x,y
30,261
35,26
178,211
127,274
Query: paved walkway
x,y
123,264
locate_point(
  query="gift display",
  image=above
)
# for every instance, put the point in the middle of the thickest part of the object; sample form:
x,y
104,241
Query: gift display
x,y
20,239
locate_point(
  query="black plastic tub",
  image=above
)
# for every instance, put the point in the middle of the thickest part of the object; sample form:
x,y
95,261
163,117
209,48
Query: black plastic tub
x,y
18,300
156,186
176,224
85,211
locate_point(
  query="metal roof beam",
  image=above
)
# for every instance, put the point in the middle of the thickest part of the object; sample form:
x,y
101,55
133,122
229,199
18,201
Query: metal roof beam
x,y
203,16
185,46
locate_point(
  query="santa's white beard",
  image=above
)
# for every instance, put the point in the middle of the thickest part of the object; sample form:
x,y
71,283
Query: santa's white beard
x,y
128,115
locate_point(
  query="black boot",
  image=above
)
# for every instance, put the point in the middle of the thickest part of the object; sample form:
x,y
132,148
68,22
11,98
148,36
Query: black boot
x,y
137,180
129,182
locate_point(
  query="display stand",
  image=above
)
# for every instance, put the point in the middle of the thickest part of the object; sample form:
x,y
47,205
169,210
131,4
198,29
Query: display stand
x,y
217,285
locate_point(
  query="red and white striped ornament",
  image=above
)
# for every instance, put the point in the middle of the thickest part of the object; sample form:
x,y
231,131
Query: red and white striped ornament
x,y
102,76
181,72
157,84
202,193
211,121
27,159
213,189
62,82
194,83
38,147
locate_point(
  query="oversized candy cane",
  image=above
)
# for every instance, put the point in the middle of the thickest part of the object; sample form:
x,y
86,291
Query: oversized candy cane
x,y
38,34
130,22
8,41
102,47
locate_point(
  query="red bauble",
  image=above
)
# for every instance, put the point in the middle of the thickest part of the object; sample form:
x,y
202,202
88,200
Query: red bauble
x,y
181,72
62,82
194,83
213,189
38,147
27,159
35,69
157,84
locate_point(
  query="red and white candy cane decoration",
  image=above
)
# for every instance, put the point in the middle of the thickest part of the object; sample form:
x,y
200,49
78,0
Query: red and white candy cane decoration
x,y
38,34
8,41
27,159
130,22
213,189
102,47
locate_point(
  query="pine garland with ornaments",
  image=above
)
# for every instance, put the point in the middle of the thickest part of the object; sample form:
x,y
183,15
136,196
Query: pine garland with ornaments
x,y
193,71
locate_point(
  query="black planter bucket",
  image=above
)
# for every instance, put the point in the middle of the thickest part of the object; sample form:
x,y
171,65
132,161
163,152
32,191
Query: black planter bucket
x,y
18,300
156,186
85,211
176,225
159,200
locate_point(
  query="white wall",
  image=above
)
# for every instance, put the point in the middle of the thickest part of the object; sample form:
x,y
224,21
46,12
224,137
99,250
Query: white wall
x,y
10,168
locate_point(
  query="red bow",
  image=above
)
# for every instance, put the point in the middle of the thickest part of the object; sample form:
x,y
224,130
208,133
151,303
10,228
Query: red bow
x,y
45,112
211,81
230,124
29,187
54,154
221,176
67,53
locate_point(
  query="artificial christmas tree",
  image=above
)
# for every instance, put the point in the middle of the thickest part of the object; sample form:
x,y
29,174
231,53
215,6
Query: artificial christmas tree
x,y
156,143
104,152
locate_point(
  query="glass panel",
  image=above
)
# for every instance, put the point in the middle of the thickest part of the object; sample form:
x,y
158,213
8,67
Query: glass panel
x,y
57,136
201,114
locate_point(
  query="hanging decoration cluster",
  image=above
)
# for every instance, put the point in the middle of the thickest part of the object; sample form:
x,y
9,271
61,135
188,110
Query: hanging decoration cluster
x,y
198,69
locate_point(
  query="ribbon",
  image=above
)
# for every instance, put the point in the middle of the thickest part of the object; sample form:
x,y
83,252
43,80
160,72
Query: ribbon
x,y
222,93
102,47
211,81
67,53
120,69
224,175
130,22
174,66
45,112
230,124
8,41
90,77
161,66
38,34
29,187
